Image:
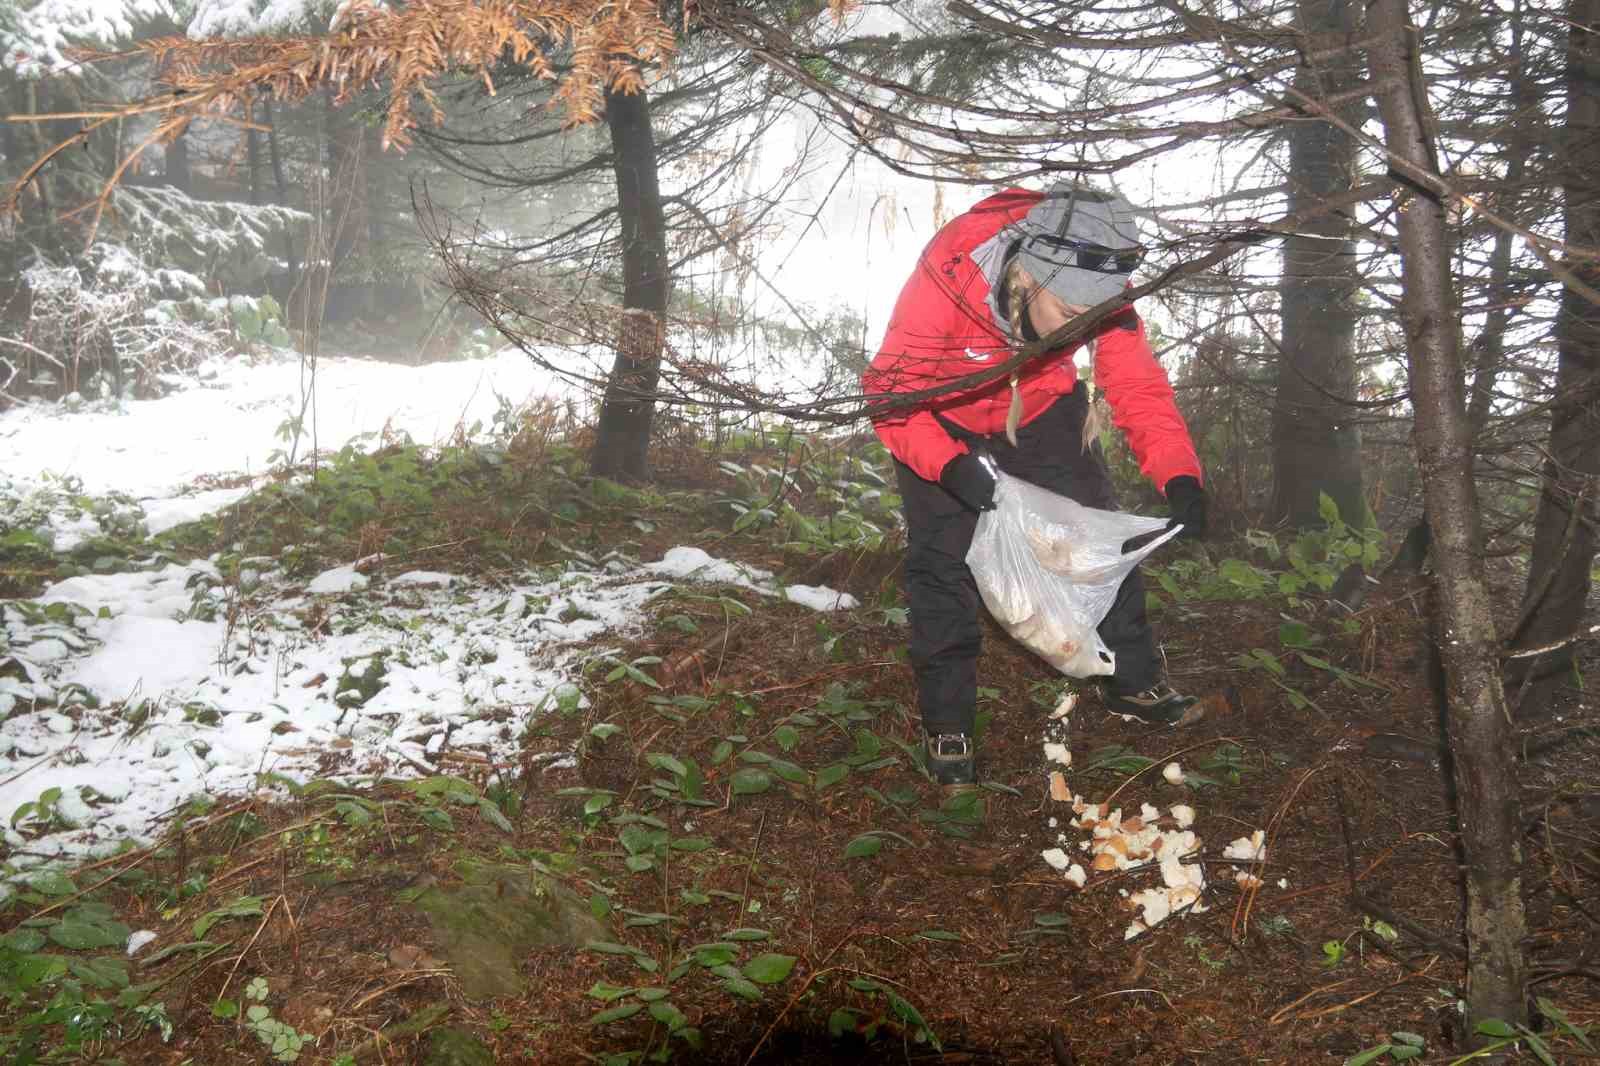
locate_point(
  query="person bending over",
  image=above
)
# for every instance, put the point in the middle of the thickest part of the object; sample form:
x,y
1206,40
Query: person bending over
x,y
1015,267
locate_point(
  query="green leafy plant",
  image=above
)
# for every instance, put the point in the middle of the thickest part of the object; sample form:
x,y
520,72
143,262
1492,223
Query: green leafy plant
x,y
895,1011
243,907
57,1005
283,1041
41,815
849,490
258,320
1398,1048
1263,661
1195,944
1115,757
1503,1035
957,815
1380,929
633,670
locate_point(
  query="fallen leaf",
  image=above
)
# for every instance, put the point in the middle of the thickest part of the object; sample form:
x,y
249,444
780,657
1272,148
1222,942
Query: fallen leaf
x,y
1058,787
411,957
1132,974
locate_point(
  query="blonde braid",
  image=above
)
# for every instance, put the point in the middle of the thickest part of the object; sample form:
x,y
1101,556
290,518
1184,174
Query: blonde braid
x,y
1099,414
1019,286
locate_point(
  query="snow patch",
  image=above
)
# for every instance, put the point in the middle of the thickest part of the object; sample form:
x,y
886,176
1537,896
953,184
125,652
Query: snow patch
x,y
339,579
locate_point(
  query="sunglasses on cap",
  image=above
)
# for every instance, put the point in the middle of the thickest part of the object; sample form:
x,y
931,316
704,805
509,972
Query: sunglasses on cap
x,y
1087,255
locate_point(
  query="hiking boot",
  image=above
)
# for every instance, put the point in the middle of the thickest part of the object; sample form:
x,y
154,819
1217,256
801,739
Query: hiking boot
x,y
1157,705
950,759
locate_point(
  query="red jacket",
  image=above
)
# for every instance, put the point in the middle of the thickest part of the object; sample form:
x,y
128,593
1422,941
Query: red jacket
x,y
944,328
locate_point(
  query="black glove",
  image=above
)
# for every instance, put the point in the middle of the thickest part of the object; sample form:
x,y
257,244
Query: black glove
x,y
968,478
1187,500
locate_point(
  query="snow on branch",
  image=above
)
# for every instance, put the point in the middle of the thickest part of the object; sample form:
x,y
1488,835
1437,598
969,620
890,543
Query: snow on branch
x,y
169,220
38,39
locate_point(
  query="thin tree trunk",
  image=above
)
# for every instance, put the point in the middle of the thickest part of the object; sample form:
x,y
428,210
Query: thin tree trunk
x,y
275,155
1476,717
177,163
622,438
1316,442
252,155
42,182
346,208
1564,541
1491,343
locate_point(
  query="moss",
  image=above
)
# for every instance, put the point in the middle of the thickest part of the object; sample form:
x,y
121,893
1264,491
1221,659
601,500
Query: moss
x,y
452,1047
497,915
361,680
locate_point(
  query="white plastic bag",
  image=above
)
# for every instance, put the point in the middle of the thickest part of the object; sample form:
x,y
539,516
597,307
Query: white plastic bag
x,y
1048,570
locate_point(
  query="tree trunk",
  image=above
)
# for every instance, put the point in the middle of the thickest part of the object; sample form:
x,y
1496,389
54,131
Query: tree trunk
x,y
622,438
346,208
1476,717
1521,139
1564,531
1316,442
43,184
177,163
275,157
252,155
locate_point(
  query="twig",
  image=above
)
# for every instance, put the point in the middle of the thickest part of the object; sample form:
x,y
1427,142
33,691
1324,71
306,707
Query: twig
x,y
1349,837
41,760
416,1023
1278,1017
1338,1007
679,664
824,676
1528,653
1166,759
792,1001
1549,577
85,891
1370,907
410,979
1415,928
25,346
228,876
750,870
265,918
1241,912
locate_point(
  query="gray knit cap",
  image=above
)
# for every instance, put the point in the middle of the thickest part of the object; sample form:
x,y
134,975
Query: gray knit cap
x,y
1080,243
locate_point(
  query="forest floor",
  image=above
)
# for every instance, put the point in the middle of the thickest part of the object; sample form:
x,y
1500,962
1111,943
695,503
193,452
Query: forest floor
x,y
728,853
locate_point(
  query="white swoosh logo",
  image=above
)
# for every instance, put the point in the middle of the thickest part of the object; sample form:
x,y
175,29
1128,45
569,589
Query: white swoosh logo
x,y
978,356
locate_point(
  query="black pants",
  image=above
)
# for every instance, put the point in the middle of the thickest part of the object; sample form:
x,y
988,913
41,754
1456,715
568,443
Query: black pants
x,y
945,632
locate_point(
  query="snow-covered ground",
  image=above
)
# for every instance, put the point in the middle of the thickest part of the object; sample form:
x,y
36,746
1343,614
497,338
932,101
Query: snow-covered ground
x,y
228,424
195,688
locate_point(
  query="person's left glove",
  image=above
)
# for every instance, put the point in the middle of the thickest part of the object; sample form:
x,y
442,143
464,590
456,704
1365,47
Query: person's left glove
x,y
970,478
1187,500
